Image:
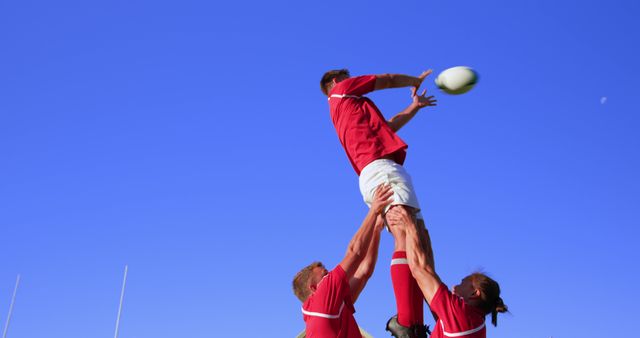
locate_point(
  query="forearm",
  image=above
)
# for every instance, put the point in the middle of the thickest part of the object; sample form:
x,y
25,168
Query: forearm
x,y
420,259
385,81
365,270
359,244
361,239
366,267
416,254
400,119
426,244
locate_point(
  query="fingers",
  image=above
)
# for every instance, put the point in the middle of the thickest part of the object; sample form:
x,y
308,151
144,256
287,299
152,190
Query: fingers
x,y
397,212
392,214
424,92
383,203
394,217
400,212
382,189
383,194
386,198
427,101
425,74
413,91
391,217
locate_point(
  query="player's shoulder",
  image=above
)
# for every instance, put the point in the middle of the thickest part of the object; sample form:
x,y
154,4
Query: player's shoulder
x,y
444,301
338,271
353,83
359,79
442,294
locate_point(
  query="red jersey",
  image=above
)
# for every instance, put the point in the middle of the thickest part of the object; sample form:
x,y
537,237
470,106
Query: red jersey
x,y
454,317
328,312
363,131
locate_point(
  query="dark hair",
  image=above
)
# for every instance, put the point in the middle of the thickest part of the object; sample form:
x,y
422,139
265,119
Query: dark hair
x,y
301,281
329,76
490,296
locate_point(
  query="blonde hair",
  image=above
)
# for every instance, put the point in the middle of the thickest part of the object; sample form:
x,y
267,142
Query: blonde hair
x,y
301,281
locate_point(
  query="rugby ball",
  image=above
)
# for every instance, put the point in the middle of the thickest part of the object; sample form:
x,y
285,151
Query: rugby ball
x,y
457,80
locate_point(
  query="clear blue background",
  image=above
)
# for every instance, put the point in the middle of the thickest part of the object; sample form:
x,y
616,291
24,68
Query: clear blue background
x,y
190,140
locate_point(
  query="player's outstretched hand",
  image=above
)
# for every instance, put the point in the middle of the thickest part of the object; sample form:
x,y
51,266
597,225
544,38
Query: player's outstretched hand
x,y
421,101
422,76
381,198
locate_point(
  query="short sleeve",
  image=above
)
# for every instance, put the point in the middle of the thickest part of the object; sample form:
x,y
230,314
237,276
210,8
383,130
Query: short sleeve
x,y
447,306
452,311
440,301
358,85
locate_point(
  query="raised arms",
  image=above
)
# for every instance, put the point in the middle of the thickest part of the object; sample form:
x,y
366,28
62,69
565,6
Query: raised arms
x,y
419,252
419,102
360,243
384,81
368,264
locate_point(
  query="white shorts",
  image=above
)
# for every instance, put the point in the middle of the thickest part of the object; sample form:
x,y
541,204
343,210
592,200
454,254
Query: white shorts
x,y
392,173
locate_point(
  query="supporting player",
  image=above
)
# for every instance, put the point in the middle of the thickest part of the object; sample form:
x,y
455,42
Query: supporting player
x,y
328,297
460,313
377,154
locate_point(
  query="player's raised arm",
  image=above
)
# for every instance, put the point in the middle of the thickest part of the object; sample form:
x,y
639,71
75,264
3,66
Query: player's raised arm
x,y
368,264
418,102
384,81
359,245
419,252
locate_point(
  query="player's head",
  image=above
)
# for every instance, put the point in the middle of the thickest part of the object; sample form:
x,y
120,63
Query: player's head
x,y
306,281
330,78
479,290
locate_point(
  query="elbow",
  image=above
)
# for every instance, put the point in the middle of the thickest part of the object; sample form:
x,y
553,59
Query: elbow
x,y
355,251
394,126
429,270
366,270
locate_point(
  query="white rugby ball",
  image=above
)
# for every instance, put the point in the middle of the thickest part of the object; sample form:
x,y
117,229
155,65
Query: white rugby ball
x,y
457,80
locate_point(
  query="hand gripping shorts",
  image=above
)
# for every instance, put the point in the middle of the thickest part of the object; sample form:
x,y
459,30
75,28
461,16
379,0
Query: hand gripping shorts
x,y
388,171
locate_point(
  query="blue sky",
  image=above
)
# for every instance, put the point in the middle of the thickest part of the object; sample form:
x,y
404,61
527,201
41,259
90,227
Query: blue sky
x,y
190,140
